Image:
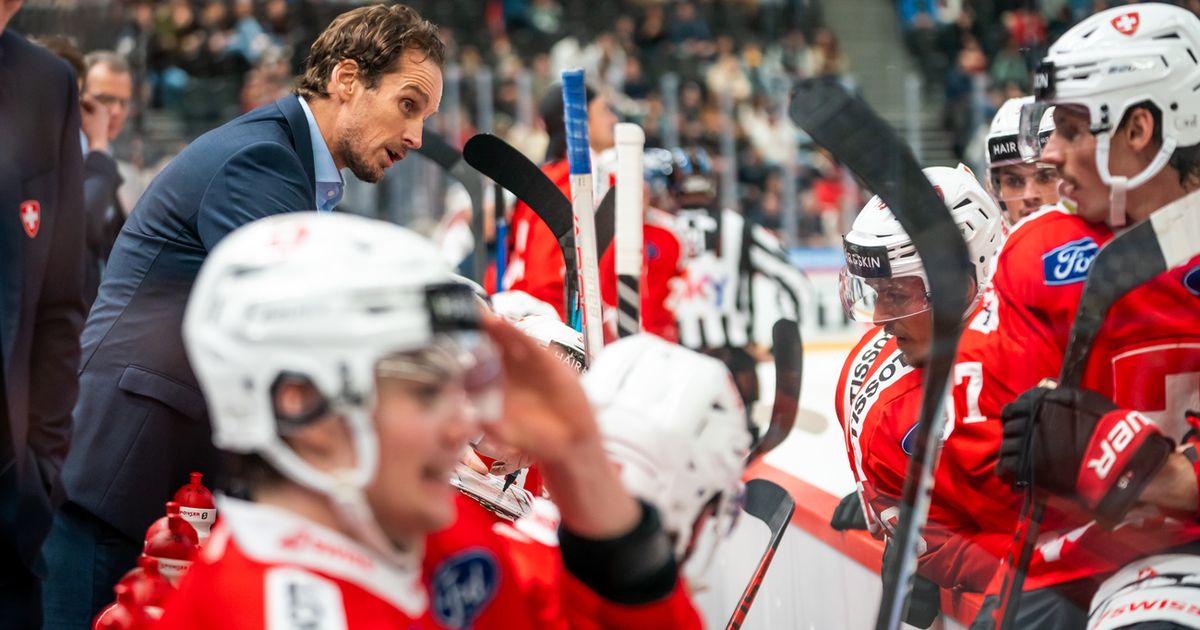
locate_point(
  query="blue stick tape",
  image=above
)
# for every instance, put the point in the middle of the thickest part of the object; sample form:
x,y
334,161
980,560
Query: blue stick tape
x,y
576,120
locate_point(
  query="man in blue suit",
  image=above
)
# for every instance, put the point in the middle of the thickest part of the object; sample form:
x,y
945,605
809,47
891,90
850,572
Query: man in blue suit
x,y
140,426
41,303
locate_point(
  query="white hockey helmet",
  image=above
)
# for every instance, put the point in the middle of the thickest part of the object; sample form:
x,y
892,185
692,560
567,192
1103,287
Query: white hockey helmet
x,y
564,342
1015,177
880,253
673,420
336,300
513,305
1113,60
1002,147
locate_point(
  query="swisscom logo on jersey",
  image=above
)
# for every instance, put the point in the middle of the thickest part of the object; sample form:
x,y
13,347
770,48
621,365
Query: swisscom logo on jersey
x,y
463,585
1069,263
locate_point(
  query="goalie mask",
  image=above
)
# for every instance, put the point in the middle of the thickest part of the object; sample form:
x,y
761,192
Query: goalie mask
x,y
1015,180
336,301
673,420
883,279
1112,61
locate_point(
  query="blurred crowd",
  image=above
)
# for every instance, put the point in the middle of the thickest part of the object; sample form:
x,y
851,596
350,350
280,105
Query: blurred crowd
x,y
198,63
980,53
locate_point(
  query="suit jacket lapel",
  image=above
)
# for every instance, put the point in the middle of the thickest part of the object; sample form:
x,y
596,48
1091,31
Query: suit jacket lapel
x,y
298,129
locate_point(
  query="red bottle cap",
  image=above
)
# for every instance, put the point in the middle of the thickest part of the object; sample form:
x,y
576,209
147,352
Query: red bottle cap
x,y
195,495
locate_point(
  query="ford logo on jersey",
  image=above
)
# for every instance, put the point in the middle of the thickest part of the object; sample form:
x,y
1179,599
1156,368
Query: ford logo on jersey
x,y
906,443
1191,280
1069,263
463,585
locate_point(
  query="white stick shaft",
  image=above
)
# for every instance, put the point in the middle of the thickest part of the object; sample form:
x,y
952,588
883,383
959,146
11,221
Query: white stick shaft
x,y
589,265
630,141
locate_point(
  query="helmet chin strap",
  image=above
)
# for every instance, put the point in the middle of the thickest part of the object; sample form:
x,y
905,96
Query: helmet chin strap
x,y
1120,185
345,489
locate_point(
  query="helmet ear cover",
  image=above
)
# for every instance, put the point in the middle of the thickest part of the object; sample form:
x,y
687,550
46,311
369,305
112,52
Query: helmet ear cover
x,y
318,407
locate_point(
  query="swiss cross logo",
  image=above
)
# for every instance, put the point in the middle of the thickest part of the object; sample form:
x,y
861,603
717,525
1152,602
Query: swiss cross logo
x,y
31,216
1127,23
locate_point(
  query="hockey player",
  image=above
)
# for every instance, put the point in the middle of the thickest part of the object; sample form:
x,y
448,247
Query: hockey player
x,y
879,392
673,423
1020,185
535,263
347,389
1125,143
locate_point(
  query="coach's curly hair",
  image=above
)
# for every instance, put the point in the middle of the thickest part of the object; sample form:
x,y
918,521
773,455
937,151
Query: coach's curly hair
x,y
375,37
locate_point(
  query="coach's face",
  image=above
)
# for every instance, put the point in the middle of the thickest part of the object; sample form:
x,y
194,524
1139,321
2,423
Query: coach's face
x,y
377,126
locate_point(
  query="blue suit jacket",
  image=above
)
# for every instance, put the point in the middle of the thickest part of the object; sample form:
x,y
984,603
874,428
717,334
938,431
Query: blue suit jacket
x,y
141,424
41,280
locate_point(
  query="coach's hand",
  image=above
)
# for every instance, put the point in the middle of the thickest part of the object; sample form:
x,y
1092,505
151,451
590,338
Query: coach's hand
x,y
1076,443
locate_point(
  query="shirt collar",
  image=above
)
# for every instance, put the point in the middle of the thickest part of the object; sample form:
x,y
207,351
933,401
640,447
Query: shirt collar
x,y
329,184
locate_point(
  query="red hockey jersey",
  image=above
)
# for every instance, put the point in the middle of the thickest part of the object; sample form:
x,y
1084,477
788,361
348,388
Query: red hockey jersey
x,y
660,268
878,403
267,568
1145,358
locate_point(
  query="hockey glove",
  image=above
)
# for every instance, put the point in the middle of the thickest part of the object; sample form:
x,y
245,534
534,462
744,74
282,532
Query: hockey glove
x,y
849,514
1076,443
925,601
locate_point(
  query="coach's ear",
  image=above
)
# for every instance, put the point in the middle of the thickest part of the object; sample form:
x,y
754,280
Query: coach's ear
x,y
342,82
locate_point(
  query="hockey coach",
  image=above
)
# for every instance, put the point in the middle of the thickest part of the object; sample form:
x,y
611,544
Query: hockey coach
x,y
140,425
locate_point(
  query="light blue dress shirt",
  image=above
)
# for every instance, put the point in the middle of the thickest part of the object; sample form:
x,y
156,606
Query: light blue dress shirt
x,y
330,184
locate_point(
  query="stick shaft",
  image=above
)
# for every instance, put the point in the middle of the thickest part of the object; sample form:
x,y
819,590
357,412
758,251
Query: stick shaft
x,y
576,121
631,141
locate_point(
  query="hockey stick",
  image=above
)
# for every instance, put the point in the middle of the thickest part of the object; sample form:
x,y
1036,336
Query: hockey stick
x,y
1170,237
506,166
631,141
575,117
871,149
606,220
436,148
510,169
772,505
501,215
789,371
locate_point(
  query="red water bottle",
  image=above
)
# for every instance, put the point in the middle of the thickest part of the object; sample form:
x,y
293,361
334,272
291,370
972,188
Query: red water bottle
x,y
150,588
197,506
173,542
123,614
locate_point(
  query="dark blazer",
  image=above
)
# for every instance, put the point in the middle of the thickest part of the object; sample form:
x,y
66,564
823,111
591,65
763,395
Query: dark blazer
x,y
141,424
41,276
104,216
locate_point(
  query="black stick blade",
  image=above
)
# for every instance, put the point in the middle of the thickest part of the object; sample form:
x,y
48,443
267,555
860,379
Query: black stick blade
x,y
873,151
506,166
789,371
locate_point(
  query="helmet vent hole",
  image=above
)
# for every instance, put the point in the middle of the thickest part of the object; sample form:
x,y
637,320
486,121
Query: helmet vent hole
x,y
1089,33
963,203
1192,54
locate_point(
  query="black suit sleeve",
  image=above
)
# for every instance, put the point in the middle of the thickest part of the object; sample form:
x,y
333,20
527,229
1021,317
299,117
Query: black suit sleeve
x,y
54,382
260,180
100,183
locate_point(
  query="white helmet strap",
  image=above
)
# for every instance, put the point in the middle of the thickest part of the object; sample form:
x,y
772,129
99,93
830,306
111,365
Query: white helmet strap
x,y
1119,185
345,489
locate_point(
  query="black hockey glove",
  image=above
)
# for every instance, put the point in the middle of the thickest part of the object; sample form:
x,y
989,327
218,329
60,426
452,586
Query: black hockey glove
x,y
925,602
848,514
1067,441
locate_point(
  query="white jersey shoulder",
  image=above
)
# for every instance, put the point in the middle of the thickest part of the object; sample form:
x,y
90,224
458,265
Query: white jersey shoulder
x,y
274,536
